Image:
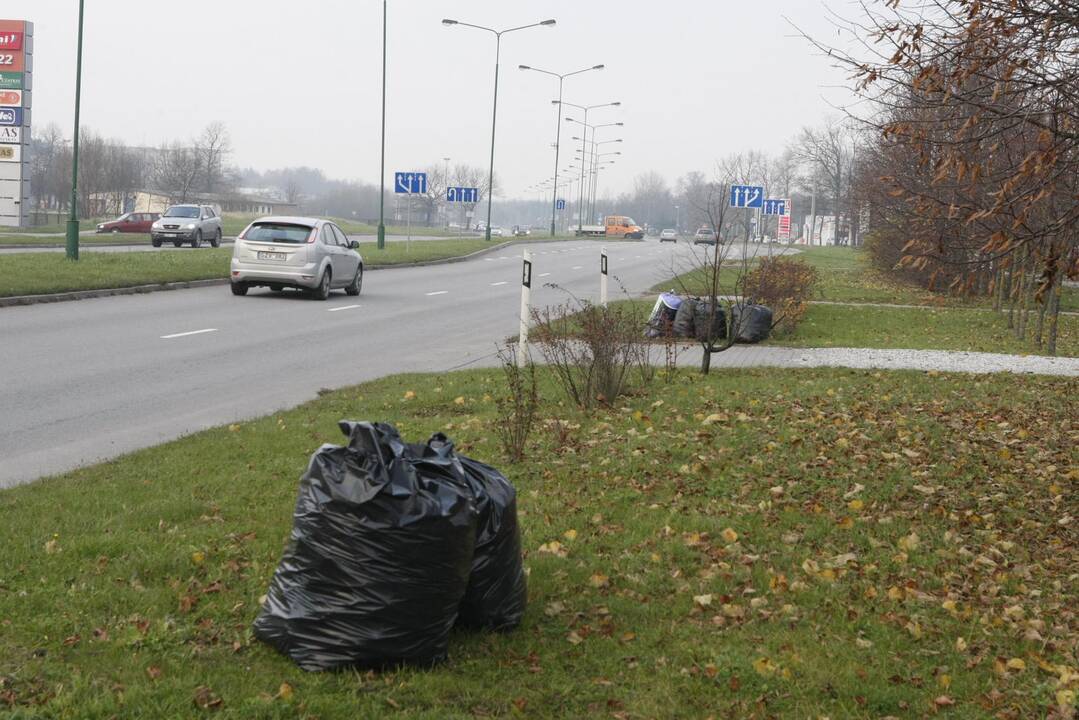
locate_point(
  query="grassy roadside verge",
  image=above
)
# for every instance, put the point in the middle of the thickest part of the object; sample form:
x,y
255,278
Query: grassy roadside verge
x,y
797,544
941,322
846,276
95,239
34,273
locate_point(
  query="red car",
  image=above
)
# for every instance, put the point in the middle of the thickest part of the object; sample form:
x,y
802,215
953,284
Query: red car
x,y
130,223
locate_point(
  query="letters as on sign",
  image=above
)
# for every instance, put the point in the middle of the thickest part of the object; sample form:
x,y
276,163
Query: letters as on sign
x,y
10,153
11,40
12,135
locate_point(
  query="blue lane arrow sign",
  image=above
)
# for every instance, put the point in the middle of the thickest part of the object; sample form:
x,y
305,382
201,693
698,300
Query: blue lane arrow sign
x,y
413,183
560,205
462,194
775,207
747,196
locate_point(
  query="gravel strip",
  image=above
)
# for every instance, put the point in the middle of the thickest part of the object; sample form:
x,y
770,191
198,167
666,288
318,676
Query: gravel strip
x,y
872,358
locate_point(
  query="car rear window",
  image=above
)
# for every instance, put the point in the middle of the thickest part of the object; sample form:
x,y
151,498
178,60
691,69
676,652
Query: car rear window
x,y
278,233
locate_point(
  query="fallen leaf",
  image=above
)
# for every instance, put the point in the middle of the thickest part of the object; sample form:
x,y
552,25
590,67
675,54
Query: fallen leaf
x,y
198,557
285,692
702,601
206,699
570,534
729,535
154,672
599,580
943,701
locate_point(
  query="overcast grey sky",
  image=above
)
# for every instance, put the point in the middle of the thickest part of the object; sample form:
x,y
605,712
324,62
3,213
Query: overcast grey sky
x,y
298,83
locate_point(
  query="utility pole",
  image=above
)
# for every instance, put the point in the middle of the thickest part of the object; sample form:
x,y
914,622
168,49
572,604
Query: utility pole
x,y
812,213
382,174
72,244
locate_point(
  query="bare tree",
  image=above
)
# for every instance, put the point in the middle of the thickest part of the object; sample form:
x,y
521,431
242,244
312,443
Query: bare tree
x,y
828,151
213,147
177,171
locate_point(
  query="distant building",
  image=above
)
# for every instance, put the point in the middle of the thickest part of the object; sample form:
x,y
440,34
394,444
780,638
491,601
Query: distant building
x,y
114,203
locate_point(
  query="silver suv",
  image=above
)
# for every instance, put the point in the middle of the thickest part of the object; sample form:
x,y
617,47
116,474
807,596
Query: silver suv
x,y
187,223
297,252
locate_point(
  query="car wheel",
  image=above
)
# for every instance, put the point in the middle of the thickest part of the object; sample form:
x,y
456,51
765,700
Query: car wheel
x,y
322,292
215,241
357,283
114,231
176,243
239,288
197,242
155,242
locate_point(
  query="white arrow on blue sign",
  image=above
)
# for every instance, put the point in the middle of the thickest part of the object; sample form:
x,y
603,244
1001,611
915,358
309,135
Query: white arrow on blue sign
x,y
775,207
462,194
412,183
747,196
560,204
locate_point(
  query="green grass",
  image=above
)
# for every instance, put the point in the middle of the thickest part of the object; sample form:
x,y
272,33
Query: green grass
x,y
233,224
33,273
106,238
846,276
787,544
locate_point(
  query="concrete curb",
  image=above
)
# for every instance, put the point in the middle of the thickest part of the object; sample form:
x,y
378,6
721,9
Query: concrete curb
x,y
17,300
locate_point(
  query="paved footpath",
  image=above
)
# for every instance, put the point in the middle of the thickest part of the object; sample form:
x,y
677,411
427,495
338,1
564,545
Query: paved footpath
x,y
743,356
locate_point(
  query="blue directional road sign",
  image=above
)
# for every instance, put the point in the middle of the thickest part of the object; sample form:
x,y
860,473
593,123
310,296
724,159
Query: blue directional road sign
x,y
775,207
412,183
747,196
560,204
462,194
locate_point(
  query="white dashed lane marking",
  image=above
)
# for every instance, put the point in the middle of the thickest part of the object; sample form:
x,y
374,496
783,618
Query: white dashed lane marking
x,y
185,334
437,292
543,274
496,284
344,307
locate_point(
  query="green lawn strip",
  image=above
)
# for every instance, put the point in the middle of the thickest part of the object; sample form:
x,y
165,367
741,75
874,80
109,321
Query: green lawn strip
x,y
846,276
962,329
756,543
35,273
104,238
922,329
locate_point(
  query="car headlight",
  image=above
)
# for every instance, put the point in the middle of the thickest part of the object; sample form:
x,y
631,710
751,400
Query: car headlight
x,y
189,226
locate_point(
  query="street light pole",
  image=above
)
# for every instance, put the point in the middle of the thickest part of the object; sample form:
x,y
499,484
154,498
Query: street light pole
x,y
584,138
72,244
382,174
494,109
558,128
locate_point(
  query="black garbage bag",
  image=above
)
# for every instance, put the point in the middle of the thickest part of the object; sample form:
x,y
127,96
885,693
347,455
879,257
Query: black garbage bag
x,y
379,557
754,323
497,590
702,315
683,318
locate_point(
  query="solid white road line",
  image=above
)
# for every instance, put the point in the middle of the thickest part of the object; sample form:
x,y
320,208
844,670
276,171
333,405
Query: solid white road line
x,y
543,274
185,334
344,307
503,282
575,267
437,292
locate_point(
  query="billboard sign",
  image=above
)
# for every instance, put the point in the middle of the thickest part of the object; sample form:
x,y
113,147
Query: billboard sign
x,y
11,117
10,98
11,153
11,81
10,40
10,136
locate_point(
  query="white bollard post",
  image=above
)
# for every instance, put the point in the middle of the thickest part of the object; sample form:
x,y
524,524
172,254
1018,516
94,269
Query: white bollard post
x,y
526,308
603,276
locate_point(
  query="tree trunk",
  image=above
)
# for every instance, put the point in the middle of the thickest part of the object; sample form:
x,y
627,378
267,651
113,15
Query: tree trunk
x,y
706,361
1054,316
1024,292
1047,298
998,289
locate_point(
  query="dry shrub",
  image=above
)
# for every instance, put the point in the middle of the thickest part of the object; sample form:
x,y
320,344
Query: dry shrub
x,y
785,285
593,350
517,408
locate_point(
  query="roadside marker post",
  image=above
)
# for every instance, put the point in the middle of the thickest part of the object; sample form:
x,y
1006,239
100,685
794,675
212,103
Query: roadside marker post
x,y
603,276
526,307
409,183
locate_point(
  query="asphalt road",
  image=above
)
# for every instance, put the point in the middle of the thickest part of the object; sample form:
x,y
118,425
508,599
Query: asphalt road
x,y
90,380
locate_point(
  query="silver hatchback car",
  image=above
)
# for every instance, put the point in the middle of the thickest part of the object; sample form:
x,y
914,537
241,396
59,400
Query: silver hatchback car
x,y
297,252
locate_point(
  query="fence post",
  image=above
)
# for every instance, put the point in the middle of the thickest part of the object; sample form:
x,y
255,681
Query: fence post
x,y
603,276
526,308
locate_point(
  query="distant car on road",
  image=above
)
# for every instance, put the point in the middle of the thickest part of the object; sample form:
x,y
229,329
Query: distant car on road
x,y
187,223
497,232
129,223
296,252
521,230
668,235
704,236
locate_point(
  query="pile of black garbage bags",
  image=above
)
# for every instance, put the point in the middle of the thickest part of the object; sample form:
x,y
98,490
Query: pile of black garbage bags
x,y
695,318
392,546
